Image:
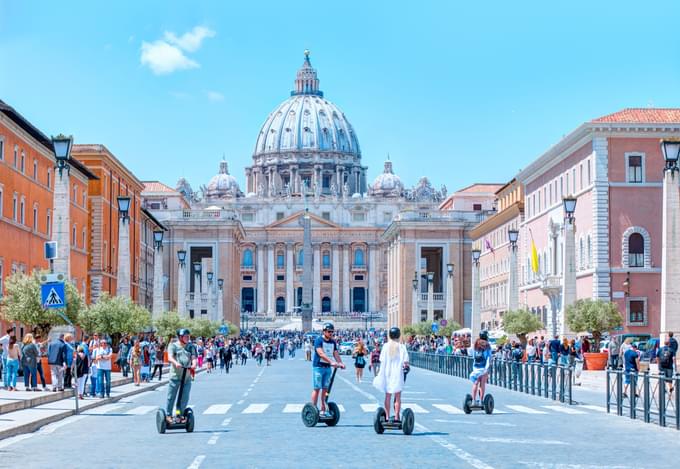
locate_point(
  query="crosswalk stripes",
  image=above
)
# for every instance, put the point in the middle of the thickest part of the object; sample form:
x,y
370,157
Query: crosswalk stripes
x,y
564,409
217,409
525,410
448,408
415,408
293,408
369,407
141,410
255,409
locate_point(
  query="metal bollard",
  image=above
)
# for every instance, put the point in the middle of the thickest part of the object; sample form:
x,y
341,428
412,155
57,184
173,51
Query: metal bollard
x,y
561,383
546,381
662,401
633,395
645,398
609,389
619,393
553,385
570,389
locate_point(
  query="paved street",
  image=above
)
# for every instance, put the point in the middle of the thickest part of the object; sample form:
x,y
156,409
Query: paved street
x,y
251,418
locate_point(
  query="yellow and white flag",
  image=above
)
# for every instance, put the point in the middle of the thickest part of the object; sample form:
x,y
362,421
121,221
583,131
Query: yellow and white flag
x,y
534,254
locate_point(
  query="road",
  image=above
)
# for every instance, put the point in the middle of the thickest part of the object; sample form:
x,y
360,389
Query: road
x,y
250,418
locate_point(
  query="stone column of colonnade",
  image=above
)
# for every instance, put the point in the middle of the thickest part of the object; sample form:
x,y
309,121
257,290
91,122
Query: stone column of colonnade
x,y
261,304
271,310
316,299
372,278
345,278
335,294
290,270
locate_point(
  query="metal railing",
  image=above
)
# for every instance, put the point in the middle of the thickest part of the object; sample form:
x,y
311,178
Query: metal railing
x,y
535,378
652,398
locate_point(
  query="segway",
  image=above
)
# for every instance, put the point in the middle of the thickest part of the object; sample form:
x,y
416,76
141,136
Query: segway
x,y
184,420
486,405
406,424
311,416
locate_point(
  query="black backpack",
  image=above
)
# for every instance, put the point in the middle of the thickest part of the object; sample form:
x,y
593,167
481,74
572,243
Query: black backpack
x,y
666,358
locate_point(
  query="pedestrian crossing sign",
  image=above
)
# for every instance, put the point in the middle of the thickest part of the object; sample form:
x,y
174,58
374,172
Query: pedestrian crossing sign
x,y
53,295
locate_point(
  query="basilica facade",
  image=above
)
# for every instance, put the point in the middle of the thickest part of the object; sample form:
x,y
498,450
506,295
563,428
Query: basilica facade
x,y
374,242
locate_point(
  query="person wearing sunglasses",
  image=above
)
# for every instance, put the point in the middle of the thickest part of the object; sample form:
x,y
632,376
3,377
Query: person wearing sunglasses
x,y
326,356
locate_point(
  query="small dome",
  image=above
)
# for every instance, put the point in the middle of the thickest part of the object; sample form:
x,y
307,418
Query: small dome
x,y
223,185
387,184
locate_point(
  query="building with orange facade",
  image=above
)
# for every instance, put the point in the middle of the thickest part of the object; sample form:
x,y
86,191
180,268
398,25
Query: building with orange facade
x,y
27,180
113,180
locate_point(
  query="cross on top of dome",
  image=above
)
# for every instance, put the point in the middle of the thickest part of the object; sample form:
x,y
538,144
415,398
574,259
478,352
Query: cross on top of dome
x,y
306,81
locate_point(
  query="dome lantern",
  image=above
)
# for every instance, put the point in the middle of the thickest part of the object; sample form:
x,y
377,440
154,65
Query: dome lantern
x,y
306,82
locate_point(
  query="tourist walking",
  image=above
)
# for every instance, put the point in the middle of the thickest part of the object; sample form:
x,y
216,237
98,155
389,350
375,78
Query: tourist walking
x,y
359,359
29,362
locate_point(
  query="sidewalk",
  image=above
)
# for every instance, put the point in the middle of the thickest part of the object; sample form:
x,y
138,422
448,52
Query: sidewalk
x,y
24,411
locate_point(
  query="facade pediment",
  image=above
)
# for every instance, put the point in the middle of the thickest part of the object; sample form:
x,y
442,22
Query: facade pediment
x,y
293,221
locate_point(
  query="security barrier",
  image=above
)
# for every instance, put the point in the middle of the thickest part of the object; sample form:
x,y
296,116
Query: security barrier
x,y
535,378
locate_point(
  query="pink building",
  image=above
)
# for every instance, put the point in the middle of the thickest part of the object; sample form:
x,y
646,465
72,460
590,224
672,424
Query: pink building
x,y
614,167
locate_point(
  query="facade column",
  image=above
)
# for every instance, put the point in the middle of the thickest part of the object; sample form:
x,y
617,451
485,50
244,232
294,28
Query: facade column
x,y
123,280
449,297
271,291
372,278
182,290
335,294
259,269
212,312
197,294
513,292
338,178
157,306
346,307
476,301
316,299
290,277
430,299
670,256
220,304
61,222
569,278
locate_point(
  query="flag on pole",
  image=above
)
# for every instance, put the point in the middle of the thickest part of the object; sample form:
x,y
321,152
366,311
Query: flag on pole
x,y
488,245
534,254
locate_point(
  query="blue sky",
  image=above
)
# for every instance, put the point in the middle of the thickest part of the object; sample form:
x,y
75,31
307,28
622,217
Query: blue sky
x,y
459,91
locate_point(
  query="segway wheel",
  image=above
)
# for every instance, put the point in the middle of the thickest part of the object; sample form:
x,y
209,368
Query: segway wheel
x,y
467,404
488,404
310,415
408,420
161,423
189,415
335,412
378,420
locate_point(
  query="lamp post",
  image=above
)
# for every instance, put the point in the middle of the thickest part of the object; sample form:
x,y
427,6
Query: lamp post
x,y
449,292
181,283
123,287
211,311
61,217
415,319
157,308
569,280
513,293
197,289
670,245
430,296
476,320
220,299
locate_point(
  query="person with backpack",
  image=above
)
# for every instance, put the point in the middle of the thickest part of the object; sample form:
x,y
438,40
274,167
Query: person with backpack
x,y
666,359
673,346
360,359
375,359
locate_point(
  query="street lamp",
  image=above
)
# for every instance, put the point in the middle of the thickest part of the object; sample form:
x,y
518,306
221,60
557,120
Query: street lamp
x,y
449,269
158,238
671,152
430,277
210,276
569,204
197,268
181,283
181,257
476,319
513,235
513,296
123,207
415,284
62,151
220,283
476,253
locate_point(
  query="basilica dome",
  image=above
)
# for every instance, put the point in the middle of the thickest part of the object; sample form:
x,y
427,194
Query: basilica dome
x,y
307,122
387,184
223,185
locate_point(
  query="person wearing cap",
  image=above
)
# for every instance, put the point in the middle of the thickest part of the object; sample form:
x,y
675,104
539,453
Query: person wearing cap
x,y
181,354
393,368
324,348
481,354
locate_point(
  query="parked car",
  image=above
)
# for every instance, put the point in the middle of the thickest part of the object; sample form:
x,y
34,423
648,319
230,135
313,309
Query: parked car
x,y
346,348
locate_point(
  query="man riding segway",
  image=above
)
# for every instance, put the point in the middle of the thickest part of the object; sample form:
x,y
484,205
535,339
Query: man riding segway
x,y
182,357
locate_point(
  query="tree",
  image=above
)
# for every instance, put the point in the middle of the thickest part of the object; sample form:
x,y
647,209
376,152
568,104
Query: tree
x,y
168,324
408,330
594,316
22,303
521,322
448,330
204,327
115,316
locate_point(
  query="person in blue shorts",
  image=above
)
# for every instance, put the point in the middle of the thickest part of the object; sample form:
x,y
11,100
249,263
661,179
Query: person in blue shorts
x,y
326,356
481,355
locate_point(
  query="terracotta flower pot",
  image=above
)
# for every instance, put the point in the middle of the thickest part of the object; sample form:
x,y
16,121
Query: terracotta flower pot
x,y
595,361
46,371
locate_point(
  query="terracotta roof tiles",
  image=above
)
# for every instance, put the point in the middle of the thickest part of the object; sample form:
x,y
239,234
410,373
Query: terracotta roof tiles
x,y
642,116
156,186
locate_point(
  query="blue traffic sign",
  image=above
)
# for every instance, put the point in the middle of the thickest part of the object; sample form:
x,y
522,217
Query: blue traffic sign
x,y
223,329
50,250
53,295
435,327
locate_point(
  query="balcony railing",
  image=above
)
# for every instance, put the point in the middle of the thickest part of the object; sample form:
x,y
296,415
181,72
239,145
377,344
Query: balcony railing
x,y
247,268
435,297
359,267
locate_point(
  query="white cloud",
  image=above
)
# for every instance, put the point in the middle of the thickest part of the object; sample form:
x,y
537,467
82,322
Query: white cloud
x,y
215,96
162,58
190,41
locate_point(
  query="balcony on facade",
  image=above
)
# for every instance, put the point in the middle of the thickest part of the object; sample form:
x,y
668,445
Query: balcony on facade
x,y
358,267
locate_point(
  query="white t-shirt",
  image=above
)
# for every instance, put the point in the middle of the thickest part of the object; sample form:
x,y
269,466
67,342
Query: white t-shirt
x,y
104,364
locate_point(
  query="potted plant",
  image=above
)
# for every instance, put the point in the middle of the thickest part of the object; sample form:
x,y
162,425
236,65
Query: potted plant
x,y
596,317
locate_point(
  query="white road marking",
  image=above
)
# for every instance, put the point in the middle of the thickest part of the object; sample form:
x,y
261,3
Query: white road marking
x,y
564,410
141,410
414,392
415,408
56,425
196,463
369,407
239,402
424,399
341,407
476,422
543,465
525,410
217,409
459,452
213,438
357,389
448,408
518,441
594,407
103,409
255,409
226,421
245,394
293,408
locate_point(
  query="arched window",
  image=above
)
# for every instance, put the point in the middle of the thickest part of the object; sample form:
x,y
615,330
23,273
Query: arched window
x,y
359,257
248,258
301,257
582,255
326,259
636,250
325,305
280,305
589,252
280,259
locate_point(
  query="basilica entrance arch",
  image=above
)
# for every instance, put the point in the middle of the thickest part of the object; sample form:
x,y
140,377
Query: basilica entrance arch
x,y
359,299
